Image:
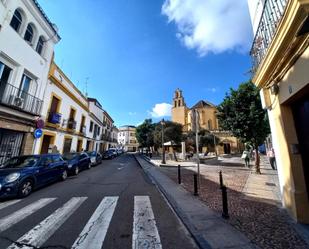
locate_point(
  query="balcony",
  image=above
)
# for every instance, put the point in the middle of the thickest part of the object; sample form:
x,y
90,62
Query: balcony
x,y
54,117
71,124
273,11
21,100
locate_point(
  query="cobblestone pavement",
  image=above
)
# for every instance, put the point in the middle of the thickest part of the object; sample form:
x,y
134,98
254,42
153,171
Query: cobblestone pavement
x,y
261,220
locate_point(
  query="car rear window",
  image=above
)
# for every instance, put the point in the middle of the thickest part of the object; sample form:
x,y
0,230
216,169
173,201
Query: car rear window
x,y
21,162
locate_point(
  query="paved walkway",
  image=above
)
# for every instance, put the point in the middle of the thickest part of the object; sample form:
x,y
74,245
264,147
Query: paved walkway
x,y
264,186
207,227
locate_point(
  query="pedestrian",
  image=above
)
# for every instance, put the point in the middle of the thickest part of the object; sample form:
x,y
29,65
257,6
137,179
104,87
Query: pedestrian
x,y
272,158
246,156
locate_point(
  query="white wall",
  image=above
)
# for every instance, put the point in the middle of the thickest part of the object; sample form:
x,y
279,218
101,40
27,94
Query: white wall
x,y
20,55
255,9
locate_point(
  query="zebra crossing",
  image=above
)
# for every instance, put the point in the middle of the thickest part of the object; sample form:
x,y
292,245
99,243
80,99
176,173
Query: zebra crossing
x,y
144,233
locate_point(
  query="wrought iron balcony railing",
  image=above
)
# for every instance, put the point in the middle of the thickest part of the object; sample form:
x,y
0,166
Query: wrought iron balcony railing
x,y
71,124
271,16
21,100
54,117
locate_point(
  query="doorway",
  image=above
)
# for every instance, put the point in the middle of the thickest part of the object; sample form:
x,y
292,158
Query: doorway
x,y
46,143
227,148
301,120
67,145
5,73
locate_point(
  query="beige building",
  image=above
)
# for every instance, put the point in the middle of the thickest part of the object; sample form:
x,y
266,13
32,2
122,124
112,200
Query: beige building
x,y
127,138
281,61
207,120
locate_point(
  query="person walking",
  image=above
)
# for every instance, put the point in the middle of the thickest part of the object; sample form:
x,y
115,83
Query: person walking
x,y
272,158
246,156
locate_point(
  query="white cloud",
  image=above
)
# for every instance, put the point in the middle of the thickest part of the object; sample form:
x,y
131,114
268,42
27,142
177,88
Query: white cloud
x,y
161,110
210,25
212,89
132,113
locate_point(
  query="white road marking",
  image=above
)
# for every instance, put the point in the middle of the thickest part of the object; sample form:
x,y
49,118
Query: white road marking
x,y
95,230
8,203
145,232
23,213
120,168
42,232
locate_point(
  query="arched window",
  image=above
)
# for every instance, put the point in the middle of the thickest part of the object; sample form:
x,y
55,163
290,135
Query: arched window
x,y
16,20
40,45
29,33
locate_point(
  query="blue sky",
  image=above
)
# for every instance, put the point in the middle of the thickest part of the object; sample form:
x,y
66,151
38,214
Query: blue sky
x,y
137,52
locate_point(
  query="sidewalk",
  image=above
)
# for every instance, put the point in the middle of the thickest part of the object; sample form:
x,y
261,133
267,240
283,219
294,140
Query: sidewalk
x,y
207,227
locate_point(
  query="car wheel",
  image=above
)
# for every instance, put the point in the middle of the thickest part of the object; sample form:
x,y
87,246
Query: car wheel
x,y
25,188
76,171
64,175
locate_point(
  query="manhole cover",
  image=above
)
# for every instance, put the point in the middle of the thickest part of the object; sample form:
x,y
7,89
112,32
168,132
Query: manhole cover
x,y
270,184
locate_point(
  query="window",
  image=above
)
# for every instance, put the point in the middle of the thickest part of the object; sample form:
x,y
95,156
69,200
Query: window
x,y
40,45
16,20
99,130
91,126
24,86
57,159
29,33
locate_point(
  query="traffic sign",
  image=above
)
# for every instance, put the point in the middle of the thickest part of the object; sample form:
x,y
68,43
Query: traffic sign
x,y
38,133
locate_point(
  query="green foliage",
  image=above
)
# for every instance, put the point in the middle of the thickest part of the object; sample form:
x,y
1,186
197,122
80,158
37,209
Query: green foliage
x,y
241,113
172,132
206,139
144,133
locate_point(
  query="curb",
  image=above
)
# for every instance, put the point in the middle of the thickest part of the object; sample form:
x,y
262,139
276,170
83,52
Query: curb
x,y
201,243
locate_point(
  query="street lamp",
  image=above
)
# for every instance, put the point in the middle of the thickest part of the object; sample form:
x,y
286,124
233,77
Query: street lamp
x,y
163,149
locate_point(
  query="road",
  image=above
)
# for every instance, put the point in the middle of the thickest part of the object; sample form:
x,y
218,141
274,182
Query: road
x,y
113,205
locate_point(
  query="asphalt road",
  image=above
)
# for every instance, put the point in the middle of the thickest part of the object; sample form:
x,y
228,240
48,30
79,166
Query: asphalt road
x,y
113,205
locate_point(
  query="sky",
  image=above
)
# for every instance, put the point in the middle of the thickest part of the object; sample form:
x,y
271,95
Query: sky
x,y
135,53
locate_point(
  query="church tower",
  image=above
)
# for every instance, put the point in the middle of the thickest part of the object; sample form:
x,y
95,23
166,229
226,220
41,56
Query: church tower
x,y
179,109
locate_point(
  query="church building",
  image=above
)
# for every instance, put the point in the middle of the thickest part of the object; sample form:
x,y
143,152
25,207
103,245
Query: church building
x,y
207,120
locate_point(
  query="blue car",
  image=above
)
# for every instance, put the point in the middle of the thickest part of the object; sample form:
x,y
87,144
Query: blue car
x,y
77,161
19,176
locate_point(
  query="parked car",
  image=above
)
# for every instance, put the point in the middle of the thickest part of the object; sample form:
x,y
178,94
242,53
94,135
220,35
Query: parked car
x,y
120,151
95,157
77,161
20,175
114,151
108,154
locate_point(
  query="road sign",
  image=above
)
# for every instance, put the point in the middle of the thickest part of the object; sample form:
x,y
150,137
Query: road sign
x,y
38,133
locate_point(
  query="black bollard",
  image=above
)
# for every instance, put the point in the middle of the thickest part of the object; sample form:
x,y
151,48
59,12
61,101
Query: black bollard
x,y
225,209
179,175
221,179
195,184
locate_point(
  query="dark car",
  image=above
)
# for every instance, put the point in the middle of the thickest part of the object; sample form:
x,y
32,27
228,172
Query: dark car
x,y
19,176
77,161
108,154
95,157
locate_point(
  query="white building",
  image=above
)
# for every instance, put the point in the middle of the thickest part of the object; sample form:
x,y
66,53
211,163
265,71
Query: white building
x,y
27,39
65,112
96,125
127,138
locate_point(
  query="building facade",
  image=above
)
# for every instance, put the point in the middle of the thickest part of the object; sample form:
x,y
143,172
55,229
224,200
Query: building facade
x,y
27,40
66,116
207,120
280,56
127,138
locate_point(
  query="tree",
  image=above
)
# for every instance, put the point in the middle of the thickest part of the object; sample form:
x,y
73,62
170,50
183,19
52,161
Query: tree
x,y
144,133
206,139
172,132
241,113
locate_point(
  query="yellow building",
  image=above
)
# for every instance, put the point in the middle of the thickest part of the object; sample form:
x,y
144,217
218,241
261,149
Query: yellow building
x,y
207,120
281,61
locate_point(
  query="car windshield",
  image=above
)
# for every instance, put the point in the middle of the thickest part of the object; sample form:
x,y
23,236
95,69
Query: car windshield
x,y
91,153
20,162
69,156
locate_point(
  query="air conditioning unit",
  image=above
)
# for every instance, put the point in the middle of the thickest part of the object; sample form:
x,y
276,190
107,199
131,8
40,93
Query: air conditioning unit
x,y
18,101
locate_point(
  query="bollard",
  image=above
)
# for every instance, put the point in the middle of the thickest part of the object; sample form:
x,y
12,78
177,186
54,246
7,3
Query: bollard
x,y
221,179
195,184
225,209
179,175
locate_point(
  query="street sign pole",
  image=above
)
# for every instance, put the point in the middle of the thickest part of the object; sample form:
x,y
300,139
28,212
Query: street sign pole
x,y
197,147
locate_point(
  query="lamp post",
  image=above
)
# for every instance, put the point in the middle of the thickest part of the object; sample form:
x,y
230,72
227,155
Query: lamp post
x,y
163,149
